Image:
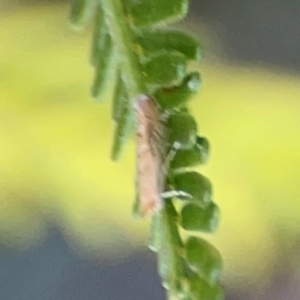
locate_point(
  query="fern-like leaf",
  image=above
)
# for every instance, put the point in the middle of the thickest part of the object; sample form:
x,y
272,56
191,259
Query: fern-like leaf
x,y
132,44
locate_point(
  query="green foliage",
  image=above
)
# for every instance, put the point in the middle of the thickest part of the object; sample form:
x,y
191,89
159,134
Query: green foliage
x,y
182,128
178,95
202,290
197,154
168,40
172,66
122,128
169,263
204,259
103,66
130,45
197,218
195,184
153,12
81,12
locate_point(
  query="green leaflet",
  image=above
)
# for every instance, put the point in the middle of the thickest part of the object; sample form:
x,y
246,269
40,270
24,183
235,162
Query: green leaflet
x,y
170,265
202,290
153,12
198,154
104,67
101,31
120,96
123,129
136,212
178,95
196,218
153,41
204,259
155,232
182,128
81,12
164,68
195,184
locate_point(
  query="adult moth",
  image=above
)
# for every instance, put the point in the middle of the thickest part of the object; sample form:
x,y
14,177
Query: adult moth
x,y
152,161
150,175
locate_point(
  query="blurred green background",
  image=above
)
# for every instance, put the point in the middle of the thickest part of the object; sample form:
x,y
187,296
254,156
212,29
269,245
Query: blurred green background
x,y
55,168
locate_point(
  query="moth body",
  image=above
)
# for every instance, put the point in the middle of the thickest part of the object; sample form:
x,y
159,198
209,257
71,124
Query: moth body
x,y
150,165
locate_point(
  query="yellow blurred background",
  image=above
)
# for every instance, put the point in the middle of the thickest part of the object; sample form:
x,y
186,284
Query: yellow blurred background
x,y
55,167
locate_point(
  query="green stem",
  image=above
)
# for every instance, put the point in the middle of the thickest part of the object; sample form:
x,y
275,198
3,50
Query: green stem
x,y
123,41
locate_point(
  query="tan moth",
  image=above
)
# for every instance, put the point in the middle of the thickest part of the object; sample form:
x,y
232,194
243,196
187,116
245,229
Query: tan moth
x,y
152,163
150,155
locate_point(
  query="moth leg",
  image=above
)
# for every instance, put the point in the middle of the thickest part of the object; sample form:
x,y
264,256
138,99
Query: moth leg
x,y
164,116
175,194
170,156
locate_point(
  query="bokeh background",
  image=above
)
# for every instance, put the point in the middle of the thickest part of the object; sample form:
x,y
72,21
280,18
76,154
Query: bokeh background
x,y
66,230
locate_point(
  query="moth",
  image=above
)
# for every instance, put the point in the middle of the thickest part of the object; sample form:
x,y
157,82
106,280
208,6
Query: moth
x,y
152,159
150,171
